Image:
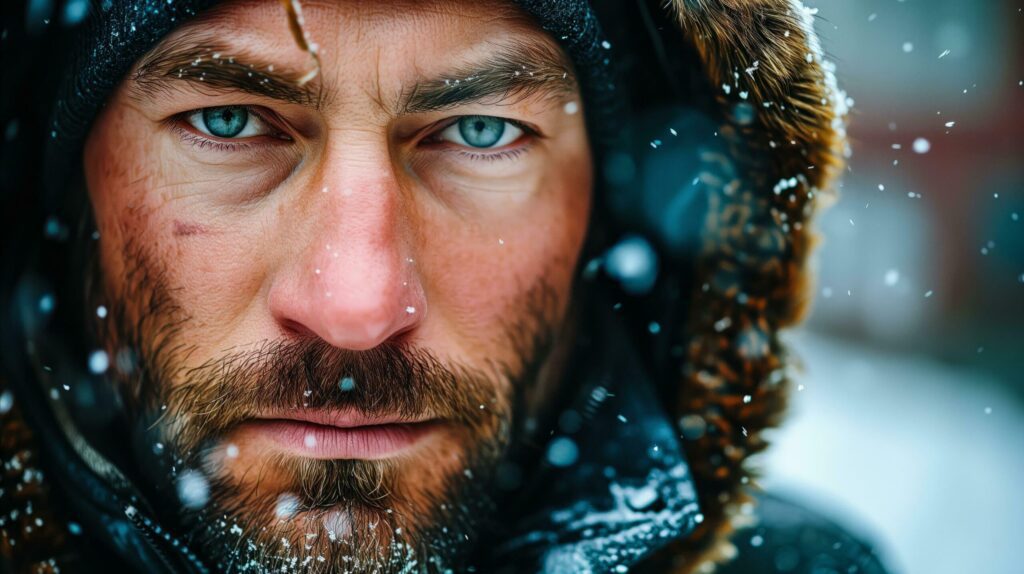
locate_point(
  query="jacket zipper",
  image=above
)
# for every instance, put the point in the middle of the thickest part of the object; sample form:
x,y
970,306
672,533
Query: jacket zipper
x,y
158,539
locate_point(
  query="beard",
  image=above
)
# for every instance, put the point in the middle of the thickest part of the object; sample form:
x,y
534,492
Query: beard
x,y
420,513
334,515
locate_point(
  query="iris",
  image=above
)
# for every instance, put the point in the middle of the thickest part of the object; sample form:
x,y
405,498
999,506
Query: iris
x,y
226,122
481,131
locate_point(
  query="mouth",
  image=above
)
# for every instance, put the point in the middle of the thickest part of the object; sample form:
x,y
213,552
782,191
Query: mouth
x,y
330,435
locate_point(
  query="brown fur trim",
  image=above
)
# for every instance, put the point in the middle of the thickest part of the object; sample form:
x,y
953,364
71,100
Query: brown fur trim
x,y
787,140
32,536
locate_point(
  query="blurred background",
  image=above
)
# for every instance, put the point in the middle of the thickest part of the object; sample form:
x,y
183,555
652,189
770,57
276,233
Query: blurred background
x,y
910,419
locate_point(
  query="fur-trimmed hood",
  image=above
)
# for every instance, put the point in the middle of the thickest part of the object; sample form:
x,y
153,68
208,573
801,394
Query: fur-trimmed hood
x,y
752,278
752,70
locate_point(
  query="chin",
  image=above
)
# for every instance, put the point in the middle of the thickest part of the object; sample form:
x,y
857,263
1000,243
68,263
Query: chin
x,y
271,508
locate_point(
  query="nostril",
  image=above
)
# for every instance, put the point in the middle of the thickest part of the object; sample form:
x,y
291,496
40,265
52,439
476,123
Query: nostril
x,y
295,328
402,334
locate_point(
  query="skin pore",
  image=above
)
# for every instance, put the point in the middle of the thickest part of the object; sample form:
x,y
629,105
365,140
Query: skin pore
x,y
388,249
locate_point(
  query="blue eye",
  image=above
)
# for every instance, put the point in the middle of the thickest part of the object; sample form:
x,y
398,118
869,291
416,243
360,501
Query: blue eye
x,y
228,122
481,132
225,122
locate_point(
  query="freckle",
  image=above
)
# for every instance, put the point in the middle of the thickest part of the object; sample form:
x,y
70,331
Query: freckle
x,y
182,228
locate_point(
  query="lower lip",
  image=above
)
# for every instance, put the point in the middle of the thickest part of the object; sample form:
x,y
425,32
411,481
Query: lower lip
x,y
328,442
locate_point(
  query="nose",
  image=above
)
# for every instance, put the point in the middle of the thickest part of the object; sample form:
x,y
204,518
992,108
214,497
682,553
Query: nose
x,y
351,280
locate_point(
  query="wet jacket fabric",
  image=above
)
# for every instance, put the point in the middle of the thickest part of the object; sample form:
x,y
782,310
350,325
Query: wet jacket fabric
x,y
719,128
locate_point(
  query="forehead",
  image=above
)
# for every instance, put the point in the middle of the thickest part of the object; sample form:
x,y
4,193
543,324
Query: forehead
x,y
379,47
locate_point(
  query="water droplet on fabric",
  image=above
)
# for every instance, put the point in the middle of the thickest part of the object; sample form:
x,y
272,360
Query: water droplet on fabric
x,y
562,452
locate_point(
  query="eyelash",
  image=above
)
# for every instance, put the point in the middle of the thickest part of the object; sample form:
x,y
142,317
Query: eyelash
x,y
495,156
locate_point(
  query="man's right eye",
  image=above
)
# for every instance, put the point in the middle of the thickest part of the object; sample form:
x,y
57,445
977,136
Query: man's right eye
x,y
228,122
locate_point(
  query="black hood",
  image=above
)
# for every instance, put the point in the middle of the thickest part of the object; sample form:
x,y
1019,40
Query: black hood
x,y
78,418
712,157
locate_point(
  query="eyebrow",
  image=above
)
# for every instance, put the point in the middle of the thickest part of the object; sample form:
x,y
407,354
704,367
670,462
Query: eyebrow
x,y
205,63
517,69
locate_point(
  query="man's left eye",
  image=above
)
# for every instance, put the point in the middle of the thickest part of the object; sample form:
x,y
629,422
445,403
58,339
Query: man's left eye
x,y
481,132
228,122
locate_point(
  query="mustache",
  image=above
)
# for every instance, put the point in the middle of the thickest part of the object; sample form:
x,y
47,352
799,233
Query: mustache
x,y
391,379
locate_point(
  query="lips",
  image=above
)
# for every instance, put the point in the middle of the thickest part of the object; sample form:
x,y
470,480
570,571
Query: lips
x,y
322,434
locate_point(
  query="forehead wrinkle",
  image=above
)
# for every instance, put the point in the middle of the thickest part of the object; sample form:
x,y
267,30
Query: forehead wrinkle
x,y
383,13
375,23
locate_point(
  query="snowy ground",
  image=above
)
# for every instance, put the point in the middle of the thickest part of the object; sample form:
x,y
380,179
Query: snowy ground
x,y
926,459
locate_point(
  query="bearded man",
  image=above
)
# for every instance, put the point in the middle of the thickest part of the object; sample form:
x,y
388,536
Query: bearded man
x,y
432,286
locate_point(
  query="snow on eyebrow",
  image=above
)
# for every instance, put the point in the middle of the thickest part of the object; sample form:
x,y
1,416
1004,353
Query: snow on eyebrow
x,y
199,60
516,69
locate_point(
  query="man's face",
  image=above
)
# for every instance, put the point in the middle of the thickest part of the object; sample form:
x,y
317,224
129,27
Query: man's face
x,y
339,288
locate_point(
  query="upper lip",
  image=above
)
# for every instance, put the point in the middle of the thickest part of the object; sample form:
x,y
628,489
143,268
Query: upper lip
x,y
339,418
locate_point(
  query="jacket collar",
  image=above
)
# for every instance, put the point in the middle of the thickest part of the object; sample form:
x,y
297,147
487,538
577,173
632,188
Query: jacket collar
x,y
614,491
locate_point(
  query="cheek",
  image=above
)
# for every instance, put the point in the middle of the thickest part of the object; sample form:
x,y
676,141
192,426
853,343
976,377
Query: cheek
x,y
212,273
117,175
481,273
